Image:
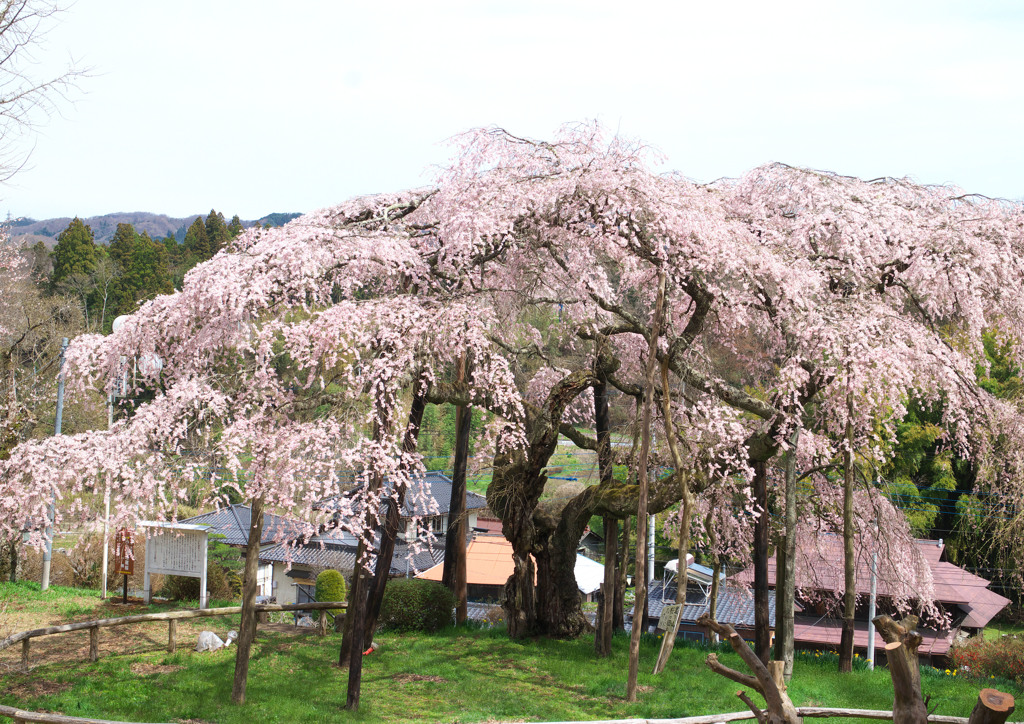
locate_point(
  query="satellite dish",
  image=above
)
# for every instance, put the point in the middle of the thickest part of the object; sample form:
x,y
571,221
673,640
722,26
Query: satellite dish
x,y
118,321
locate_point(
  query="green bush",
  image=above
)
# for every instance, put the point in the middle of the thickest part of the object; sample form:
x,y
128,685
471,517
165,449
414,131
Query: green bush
x,y
412,604
330,586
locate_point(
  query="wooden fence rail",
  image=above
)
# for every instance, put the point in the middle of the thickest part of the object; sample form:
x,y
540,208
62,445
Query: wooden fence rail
x,y
805,711
171,617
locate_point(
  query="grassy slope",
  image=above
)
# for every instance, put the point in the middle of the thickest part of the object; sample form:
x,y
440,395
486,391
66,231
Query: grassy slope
x,y
454,676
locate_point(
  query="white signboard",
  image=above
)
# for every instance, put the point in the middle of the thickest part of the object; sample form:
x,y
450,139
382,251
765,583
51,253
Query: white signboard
x,y
178,550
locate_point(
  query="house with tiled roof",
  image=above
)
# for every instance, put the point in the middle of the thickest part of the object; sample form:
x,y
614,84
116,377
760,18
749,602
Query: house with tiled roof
x,y
735,604
230,525
295,565
963,596
489,564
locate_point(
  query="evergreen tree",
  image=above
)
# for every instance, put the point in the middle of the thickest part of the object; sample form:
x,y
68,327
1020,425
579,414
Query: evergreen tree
x,y
217,234
142,267
75,252
197,244
122,246
235,227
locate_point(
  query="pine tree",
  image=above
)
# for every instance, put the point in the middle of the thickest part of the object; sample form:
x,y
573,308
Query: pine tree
x,y
75,252
235,227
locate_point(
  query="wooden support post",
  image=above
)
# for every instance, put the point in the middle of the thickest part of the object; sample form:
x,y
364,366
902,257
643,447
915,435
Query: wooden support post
x,y
172,635
321,627
993,707
24,653
94,643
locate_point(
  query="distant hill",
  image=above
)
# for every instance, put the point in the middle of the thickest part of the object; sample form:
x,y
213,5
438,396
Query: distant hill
x,y
25,230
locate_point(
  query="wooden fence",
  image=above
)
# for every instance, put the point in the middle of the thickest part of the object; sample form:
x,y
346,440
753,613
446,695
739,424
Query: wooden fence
x,y
171,617
20,716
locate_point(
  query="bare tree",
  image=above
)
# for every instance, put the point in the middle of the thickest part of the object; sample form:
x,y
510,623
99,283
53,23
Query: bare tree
x,y
26,97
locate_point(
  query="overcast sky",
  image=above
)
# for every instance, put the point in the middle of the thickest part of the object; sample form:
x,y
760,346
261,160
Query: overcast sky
x,y
251,107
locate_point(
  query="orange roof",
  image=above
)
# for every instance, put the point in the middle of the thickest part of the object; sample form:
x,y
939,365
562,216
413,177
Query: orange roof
x,y
488,562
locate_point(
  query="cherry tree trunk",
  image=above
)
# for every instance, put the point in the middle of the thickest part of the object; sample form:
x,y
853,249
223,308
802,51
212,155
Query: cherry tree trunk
x,y
247,627
766,680
785,570
640,576
902,641
603,635
393,518
849,561
362,581
454,573
762,614
606,606
619,611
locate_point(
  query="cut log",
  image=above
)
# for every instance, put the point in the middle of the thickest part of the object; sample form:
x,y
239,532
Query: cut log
x,y
993,707
902,642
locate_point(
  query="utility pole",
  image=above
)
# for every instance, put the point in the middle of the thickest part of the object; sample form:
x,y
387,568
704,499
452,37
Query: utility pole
x,y
52,513
871,599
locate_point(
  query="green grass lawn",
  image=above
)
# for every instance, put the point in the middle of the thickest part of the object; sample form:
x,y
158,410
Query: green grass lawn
x,y
995,631
458,675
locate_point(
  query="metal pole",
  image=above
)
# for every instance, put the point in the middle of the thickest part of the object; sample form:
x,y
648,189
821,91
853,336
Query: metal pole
x,y
52,512
650,548
871,605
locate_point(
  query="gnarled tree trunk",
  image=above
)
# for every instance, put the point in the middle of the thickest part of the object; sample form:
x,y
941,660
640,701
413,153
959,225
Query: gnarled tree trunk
x,y
901,643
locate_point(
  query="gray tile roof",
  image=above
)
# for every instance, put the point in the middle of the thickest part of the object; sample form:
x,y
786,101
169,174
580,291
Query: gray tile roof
x,y
436,486
735,605
343,558
233,523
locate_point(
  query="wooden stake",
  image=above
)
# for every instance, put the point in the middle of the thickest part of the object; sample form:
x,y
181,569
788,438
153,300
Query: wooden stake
x,y
172,635
94,643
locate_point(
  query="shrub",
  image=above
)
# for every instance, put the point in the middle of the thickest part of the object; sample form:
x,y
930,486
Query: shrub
x,y
412,604
330,586
186,588
1002,658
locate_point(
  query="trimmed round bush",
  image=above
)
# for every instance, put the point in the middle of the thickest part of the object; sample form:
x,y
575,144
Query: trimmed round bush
x,y
412,604
330,586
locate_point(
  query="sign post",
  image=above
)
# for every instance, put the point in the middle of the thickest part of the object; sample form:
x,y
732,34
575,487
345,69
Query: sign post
x,y
669,623
177,549
124,556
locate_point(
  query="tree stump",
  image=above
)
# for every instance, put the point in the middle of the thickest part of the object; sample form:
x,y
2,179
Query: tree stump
x,y
902,641
993,707
767,683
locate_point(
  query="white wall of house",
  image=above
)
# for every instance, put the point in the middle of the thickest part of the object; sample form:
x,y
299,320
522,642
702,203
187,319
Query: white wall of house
x,y
284,585
264,579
